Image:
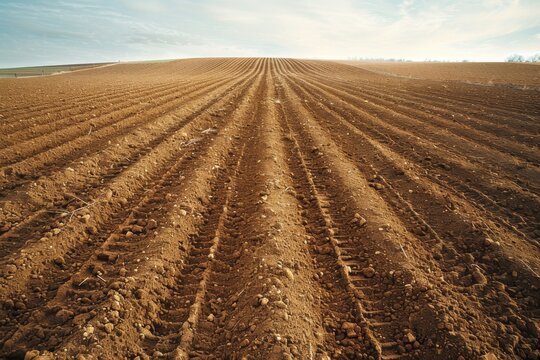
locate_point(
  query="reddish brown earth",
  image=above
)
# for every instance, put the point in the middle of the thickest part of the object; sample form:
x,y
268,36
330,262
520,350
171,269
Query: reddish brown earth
x,y
521,75
267,209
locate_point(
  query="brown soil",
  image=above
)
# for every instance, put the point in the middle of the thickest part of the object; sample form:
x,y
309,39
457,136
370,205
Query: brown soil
x,y
521,75
267,209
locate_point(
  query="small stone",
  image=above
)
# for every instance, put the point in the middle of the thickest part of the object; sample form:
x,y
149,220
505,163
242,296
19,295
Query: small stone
x,y
108,195
89,329
32,354
409,338
59,261
210,318
146,333
116,305
289,274
152,224
137,229
109,328
444,166
140,294
349,328
359,219
92,230
479,277
157,354
114,314
183,212
468,258
368,272
244,343
264,301
56,231
362,221
10,269
499,286
280,304
64,315
98,270
85,218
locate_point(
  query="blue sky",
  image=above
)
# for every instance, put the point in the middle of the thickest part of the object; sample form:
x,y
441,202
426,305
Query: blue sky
x,y
39,32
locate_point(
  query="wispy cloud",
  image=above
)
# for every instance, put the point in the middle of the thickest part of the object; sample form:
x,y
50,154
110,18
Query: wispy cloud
x,y
410,29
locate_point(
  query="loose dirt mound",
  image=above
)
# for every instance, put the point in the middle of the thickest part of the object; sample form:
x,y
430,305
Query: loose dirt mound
x,y
267,208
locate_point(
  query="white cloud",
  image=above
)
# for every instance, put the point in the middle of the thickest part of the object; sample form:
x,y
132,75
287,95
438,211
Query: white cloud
x,y
340,28
137,29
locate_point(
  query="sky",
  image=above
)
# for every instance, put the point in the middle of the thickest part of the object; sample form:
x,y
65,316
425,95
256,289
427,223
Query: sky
x,y
47,32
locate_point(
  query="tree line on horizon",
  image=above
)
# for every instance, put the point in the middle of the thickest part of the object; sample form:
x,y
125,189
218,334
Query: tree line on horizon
x,y
521,58
512,58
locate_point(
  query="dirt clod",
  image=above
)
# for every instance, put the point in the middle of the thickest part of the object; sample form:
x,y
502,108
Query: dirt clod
x,y
368,272
64,315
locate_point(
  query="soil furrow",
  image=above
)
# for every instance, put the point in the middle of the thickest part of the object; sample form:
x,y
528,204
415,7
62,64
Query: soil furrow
x,y
440,93
19,236
103,170
482,119
517,205
31,119
447,118
173,328
446,92
463,239
26,170
245,317
34,109
348,330
79,115
113,120
126,233
443,137
384,299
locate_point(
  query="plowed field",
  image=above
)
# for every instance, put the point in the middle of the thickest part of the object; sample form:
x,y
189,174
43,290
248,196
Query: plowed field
x,y
519,75
267,209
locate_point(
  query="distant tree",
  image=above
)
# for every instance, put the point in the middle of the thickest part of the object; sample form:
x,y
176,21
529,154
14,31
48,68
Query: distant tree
x,y
534,58
515,58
